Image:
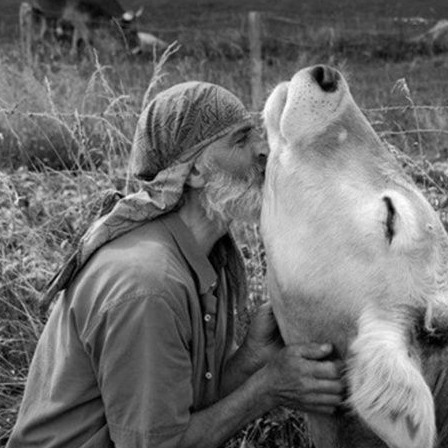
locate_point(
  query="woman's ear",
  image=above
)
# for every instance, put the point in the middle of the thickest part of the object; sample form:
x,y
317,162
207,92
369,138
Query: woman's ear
x,y
196,178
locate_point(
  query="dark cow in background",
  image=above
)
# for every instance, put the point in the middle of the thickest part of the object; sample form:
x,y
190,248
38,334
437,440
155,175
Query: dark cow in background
x,y
83,16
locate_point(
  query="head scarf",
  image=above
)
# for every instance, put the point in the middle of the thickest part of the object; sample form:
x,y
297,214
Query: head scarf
x,y
171,132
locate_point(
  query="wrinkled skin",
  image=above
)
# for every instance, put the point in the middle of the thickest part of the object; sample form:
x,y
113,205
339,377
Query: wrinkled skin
x,y
357,257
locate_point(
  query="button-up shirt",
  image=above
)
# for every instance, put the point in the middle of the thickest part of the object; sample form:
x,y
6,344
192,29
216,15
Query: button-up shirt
x,y
135,345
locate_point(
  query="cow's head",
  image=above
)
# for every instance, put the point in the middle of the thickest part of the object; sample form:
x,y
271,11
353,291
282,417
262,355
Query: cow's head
x,y
356,254
128,24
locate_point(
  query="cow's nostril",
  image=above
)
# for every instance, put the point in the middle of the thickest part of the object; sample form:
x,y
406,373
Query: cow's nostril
x,y
326,77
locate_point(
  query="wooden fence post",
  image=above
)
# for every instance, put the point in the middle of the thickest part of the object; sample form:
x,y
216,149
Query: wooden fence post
x,y
255,59
26,31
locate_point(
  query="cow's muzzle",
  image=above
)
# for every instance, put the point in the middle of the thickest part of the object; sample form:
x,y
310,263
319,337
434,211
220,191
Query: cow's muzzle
x,y
326,77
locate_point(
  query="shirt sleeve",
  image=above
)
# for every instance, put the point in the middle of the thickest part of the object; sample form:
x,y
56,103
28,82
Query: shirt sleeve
x,y
140,351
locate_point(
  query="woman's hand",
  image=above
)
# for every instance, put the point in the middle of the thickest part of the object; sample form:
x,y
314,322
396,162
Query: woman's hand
x,y
300,377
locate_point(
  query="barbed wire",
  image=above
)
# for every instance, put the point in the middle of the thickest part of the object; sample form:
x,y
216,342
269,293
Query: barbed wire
x,y
100,115
212,25
211,21
134,115
412,131
373,22
11,110
403,108
287,20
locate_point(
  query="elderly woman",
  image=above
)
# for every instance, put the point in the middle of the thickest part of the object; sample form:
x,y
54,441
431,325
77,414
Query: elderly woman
x,y
138,350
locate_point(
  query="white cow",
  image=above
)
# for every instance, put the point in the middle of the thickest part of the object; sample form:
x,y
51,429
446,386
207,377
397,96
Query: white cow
x,y
357,257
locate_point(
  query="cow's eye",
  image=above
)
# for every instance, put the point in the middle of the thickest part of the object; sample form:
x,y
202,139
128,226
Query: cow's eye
x,y
390,219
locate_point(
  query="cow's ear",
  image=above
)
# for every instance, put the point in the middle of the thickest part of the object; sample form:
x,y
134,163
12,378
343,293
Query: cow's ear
x,y
386,386
272,116
274,107
139,12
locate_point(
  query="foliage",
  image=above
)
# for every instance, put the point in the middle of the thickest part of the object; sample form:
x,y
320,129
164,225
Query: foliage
x,y
39,215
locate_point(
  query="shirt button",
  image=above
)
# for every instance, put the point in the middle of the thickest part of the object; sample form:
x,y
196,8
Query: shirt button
x,y
208,375
207,317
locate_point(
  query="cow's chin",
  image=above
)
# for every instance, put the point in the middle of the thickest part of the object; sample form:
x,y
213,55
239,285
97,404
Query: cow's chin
x,y
227,199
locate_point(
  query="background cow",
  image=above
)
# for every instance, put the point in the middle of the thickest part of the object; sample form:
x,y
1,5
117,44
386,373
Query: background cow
x,y
436,38
357,257
82,16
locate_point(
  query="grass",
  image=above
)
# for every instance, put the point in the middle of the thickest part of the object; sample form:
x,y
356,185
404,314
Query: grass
x,y
65,134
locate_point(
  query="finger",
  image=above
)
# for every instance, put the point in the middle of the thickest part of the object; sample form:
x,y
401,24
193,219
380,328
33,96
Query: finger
x,y
326,370
314,351
266,307
319,409
267,311
265,315
322,399
328,387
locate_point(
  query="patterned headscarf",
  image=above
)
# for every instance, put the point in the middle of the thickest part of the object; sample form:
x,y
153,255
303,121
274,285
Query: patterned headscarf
x,y
180,122
171,132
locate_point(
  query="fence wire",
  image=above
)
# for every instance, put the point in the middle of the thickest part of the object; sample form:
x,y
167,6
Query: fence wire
x,y
305,31
348,32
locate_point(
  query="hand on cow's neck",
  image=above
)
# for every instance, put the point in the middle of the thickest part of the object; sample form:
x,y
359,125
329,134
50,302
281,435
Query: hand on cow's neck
x,y
205,230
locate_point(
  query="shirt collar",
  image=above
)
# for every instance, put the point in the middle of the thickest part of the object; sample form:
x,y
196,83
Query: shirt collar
x,y
191,250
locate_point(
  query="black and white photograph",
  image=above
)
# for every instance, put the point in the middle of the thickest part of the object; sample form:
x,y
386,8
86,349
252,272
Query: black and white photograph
x,y
223,224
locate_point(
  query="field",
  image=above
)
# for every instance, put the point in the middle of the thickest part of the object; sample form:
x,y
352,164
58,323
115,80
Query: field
x,y
66,127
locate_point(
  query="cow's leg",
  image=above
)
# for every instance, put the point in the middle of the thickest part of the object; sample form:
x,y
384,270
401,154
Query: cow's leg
x,y
387,388
80,33
75,39
43,27
85,35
